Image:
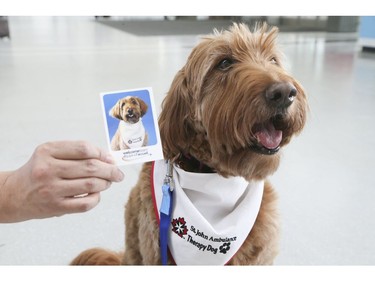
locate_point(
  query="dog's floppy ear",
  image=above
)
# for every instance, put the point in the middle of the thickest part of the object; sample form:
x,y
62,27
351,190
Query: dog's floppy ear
x,y
173,120
143,106
177,117
115,112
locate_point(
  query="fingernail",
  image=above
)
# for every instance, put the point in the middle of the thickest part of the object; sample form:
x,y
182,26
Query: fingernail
x,y
120,175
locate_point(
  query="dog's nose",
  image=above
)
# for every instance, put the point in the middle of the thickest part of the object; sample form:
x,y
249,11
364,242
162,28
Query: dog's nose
x,y
281,94
130,111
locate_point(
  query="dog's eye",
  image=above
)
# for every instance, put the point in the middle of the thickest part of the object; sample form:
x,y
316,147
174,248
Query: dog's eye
x,y
225,64
274,60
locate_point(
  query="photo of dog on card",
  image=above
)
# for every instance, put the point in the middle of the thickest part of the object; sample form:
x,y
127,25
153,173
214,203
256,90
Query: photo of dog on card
x,y
131,132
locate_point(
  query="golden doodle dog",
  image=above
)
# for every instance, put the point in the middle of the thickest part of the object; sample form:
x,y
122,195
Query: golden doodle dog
x,y
130,132
229,111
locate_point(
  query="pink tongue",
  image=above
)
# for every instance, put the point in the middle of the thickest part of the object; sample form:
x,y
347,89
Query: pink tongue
x,y
268,136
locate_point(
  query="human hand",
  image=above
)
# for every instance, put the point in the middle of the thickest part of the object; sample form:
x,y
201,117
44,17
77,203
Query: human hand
x,y
61,177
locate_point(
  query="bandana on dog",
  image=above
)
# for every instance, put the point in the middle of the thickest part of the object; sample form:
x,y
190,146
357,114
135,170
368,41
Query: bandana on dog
x,y
132,135
211,215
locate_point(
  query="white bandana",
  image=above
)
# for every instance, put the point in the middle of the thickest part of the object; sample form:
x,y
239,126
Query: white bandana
x,y
211,215
132,135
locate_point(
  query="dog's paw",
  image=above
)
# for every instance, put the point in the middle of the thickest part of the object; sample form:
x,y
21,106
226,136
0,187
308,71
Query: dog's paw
x,y
97,256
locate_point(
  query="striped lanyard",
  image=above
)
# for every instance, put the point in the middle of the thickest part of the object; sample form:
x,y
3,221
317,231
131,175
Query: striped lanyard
x,y
165,212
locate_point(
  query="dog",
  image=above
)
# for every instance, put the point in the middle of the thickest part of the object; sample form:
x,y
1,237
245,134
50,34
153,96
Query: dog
x,y
229,111
130,132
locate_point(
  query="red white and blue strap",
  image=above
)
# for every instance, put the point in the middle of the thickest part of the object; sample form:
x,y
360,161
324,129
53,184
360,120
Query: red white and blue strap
x,y
165,213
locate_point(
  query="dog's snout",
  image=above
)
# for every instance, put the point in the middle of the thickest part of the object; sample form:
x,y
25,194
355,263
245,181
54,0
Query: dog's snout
x,y
281,94
130,111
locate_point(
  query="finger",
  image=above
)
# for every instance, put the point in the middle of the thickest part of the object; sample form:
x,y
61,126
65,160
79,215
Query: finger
x,y
77,187
69,169
76,150
80,204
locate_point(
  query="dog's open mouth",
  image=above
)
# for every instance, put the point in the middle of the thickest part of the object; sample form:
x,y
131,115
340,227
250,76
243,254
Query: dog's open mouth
x,y
268,135
132,117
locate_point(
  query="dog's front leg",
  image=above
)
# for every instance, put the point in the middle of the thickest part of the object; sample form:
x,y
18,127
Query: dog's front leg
x,y
142,233
132,255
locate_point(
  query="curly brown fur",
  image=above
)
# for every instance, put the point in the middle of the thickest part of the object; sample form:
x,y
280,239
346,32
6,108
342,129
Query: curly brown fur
x,y
215,111
97,256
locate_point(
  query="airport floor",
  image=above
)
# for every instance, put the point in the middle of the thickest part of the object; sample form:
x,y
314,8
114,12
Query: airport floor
x,y
53,70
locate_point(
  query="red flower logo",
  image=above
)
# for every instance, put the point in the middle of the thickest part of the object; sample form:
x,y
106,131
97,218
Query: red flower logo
x,y
179,227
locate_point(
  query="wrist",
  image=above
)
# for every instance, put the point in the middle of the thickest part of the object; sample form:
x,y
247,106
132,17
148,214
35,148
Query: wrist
x,y
8,210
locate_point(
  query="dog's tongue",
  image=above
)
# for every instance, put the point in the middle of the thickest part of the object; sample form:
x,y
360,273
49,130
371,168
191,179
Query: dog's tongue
x,y
268,136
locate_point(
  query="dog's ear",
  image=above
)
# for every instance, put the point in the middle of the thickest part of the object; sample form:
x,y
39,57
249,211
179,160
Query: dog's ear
x,y
177,117
143,106
115,112
173,120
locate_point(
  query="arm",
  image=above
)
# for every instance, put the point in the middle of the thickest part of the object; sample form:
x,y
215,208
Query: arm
x,y
60,178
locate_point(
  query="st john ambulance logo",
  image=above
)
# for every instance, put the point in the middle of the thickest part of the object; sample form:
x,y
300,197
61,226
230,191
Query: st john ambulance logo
x,y
179,227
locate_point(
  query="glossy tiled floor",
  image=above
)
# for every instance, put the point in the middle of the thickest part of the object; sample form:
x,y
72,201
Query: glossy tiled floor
x,y
51,74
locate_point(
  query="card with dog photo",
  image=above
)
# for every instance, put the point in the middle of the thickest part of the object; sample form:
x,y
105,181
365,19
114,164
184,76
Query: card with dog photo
x,y
131,126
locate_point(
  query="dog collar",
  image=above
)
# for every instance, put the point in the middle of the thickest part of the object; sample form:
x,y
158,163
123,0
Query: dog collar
x,y
191,164
211,215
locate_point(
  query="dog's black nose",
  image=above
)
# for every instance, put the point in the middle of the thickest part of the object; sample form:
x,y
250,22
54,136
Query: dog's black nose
x,y
281,94
130,111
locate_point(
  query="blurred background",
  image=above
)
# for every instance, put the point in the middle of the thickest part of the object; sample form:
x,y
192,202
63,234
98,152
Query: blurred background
x,y
53,69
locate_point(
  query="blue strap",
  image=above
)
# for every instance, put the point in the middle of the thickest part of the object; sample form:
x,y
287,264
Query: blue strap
x,y
165,220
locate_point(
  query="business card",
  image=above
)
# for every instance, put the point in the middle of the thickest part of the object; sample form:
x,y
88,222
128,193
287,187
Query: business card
x,y
131,126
